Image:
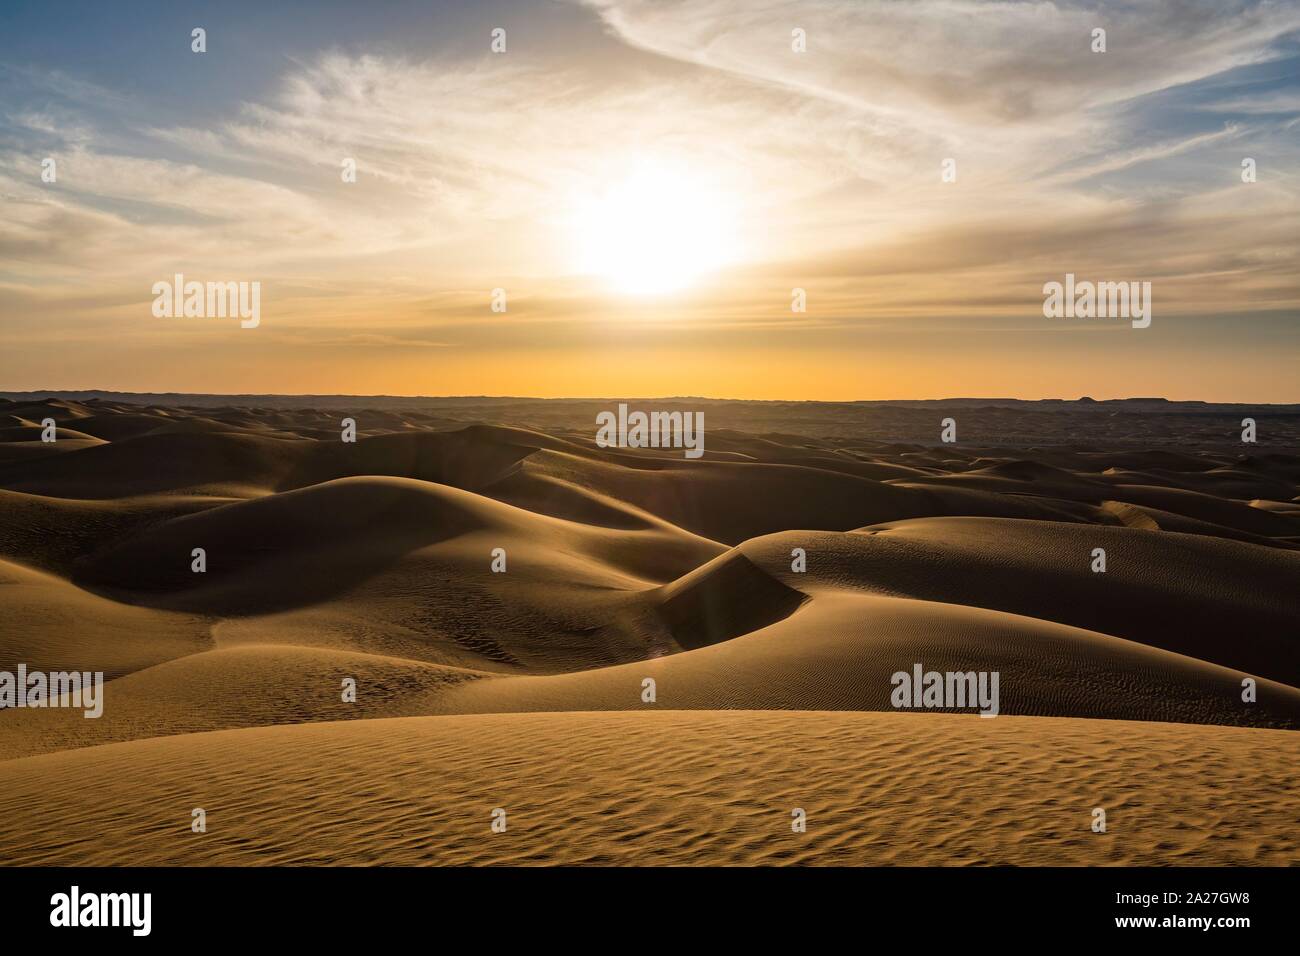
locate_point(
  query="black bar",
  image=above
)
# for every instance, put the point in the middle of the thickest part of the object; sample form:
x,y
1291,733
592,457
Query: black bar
x,y
297,905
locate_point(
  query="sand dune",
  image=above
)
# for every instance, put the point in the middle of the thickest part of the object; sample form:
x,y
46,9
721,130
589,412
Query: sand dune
x,y
226,464
1179,592
770,589
244,686
839,653
56,534
666,788
429,545
57,626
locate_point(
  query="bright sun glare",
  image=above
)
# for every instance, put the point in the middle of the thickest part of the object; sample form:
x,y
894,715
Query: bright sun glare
x,y
655,231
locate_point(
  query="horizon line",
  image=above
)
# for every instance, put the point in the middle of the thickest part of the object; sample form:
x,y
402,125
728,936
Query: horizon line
x,y
68,392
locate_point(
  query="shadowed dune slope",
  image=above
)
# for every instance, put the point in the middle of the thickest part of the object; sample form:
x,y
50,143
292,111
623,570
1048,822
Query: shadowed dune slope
x,y
703,497
55,534
723,599
840,651
51,625
404,567
303,546
229,464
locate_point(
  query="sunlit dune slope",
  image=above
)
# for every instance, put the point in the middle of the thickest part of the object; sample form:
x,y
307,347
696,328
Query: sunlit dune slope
x,y
665,788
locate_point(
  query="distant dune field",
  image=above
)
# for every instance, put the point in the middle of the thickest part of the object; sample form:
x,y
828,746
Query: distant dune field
x,y
769,590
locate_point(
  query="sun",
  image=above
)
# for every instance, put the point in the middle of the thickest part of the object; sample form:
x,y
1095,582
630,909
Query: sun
x,y
658,229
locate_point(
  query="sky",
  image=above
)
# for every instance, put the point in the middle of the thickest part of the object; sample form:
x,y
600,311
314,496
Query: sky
x,y
648,182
